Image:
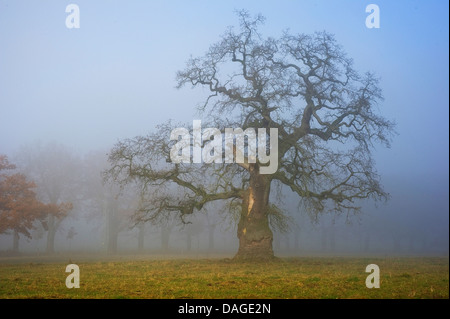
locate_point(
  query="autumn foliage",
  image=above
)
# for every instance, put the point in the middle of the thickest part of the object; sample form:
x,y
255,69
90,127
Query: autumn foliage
x,y
19,207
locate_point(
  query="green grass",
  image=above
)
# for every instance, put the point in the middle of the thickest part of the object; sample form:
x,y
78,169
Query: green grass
x,y
222,278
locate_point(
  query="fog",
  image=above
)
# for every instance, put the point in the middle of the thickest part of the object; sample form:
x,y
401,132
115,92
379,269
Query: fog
x,y
67,95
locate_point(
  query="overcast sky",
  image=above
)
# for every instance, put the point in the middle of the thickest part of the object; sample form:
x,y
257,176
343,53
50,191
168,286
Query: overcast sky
x,y
114,77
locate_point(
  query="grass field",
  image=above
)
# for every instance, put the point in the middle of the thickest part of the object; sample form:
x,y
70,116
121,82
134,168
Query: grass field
x,y
312,277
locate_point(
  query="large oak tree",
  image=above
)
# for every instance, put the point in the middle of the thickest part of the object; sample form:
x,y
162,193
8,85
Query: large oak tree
x,y
305,86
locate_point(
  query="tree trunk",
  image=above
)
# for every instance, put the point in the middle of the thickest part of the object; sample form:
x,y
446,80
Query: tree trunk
x,y
51,235
16,241
112,230
254,233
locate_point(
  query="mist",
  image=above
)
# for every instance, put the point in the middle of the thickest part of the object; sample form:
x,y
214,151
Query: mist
x,y
68,95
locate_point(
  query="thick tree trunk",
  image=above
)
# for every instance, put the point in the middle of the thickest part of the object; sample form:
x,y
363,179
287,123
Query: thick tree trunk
x,y
254,233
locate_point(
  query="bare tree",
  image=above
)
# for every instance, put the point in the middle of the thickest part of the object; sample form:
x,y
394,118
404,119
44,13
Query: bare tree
x,y
55,170
103,203
304,86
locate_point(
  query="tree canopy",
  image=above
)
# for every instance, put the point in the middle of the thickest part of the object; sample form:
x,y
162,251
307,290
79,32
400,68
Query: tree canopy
x,y
303,85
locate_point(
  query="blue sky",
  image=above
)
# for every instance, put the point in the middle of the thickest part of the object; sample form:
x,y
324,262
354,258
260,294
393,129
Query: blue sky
x,y
115,76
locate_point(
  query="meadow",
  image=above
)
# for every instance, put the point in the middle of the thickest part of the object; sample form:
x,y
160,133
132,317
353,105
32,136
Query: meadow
x,y
305,277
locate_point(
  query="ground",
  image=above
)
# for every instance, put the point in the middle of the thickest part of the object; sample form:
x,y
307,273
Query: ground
x,y
146,277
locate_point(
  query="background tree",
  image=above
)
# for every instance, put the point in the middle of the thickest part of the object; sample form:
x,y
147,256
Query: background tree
x,y
193,229
104,202
19,207
303,85
55,170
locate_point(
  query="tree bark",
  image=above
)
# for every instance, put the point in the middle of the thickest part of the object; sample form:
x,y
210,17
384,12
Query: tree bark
x,y
254,233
